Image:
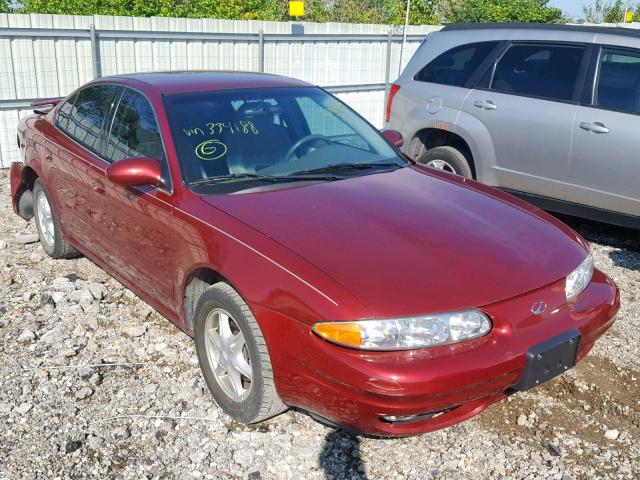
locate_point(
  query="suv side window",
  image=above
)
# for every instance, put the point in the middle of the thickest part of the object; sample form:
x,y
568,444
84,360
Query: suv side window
x,y
134,132
455,67
618,80
82,117
545,70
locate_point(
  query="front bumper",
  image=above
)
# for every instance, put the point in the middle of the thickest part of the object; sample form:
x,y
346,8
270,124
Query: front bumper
x,y
443,385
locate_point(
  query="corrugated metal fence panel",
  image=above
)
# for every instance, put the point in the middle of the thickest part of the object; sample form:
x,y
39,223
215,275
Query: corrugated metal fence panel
x,y
38,66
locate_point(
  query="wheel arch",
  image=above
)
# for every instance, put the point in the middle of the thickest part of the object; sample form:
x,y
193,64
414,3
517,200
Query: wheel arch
x,y
29,176
197,281
23,196
431,137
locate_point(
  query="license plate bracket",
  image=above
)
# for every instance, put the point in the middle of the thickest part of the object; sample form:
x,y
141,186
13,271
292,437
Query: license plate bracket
x,y
549,359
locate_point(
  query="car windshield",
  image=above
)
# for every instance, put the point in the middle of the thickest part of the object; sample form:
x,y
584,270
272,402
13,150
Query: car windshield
x,y
248,136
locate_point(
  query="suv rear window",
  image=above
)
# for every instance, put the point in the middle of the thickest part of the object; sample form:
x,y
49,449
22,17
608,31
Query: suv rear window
x,y
547,71
455,67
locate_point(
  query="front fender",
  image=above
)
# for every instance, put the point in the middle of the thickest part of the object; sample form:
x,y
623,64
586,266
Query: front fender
x,y
263,272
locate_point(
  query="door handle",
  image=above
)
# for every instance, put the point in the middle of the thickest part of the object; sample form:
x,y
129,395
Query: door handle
x,y
595,127
485,104
98,187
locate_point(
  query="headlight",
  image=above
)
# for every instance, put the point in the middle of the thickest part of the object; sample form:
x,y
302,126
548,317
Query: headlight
x,y
578,280
406,333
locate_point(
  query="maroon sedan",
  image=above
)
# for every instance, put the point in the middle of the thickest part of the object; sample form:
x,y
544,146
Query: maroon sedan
x,y
315,266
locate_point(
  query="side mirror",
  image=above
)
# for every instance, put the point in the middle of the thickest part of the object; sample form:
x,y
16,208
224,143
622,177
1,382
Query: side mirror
x,y
135,171
393,136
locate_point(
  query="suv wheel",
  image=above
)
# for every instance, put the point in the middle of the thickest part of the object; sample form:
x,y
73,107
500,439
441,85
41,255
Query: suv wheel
x,y
233,356
448,159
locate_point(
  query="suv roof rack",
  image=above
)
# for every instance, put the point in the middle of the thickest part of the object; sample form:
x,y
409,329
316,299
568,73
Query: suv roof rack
x,y
627,32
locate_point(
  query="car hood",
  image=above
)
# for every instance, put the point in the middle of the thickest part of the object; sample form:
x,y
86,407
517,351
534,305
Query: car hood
x,y
409,241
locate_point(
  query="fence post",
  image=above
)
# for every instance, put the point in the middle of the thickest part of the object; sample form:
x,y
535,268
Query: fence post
x,y
95,52
261,51
387,73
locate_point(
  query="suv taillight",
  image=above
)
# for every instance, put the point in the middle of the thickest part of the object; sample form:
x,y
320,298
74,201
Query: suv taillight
x,y
392,93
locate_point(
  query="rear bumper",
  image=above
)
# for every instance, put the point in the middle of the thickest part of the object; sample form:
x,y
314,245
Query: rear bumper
x,y
21,194
355,389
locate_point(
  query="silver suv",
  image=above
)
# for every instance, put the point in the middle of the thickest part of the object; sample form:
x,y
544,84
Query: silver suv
x,y
547,112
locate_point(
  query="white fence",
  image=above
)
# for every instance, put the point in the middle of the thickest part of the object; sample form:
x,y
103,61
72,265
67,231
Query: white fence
x,y
51,55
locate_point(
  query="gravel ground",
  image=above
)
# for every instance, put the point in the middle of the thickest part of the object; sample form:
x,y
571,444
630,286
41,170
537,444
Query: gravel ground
x,y
95,384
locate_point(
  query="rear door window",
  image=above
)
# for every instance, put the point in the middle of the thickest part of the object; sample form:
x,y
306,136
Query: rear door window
x,y
83,116
545,70
618,80
455,67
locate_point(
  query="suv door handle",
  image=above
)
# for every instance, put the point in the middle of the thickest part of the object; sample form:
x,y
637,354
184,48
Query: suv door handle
x,y
485,104
595,127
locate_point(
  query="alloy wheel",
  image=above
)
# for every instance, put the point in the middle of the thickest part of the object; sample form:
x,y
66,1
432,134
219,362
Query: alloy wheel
x,y
228,355
441,165
45,218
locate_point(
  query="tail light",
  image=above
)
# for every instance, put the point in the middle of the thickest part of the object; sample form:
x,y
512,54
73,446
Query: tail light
x,y
392,93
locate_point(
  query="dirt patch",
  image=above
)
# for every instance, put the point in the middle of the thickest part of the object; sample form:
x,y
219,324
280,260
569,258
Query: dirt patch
x,y
570,414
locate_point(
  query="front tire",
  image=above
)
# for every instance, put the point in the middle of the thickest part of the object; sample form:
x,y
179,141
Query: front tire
x,y
233,356
448,159
48,225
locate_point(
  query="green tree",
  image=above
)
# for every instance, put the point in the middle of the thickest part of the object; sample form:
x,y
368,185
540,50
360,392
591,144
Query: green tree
x,y
606,12
230,9
350,11
389,12
314,11
422,12
532,11
353,11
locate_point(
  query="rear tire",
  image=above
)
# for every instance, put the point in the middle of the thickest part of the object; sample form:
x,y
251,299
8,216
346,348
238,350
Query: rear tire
x,y
48,225
233,356
448,159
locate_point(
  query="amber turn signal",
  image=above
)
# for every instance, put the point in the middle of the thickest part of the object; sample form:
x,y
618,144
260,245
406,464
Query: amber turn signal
x,y
339,332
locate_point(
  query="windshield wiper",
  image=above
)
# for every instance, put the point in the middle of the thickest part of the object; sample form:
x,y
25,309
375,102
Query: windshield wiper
x,y
339,167
255,176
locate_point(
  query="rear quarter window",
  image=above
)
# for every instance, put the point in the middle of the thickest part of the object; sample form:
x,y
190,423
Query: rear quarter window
x,y
455,67
618,80
82,117
546,71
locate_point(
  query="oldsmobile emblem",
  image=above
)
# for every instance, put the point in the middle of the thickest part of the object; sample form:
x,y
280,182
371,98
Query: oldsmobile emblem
x,y
539,308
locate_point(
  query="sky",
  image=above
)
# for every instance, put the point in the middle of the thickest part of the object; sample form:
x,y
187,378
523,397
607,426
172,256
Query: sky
x,y
572,8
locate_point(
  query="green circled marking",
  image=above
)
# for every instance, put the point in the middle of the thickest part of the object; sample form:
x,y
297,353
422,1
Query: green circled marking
x,y
210,150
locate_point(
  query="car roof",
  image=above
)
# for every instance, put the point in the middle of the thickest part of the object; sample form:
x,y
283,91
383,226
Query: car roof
x,y
627,32
197,81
